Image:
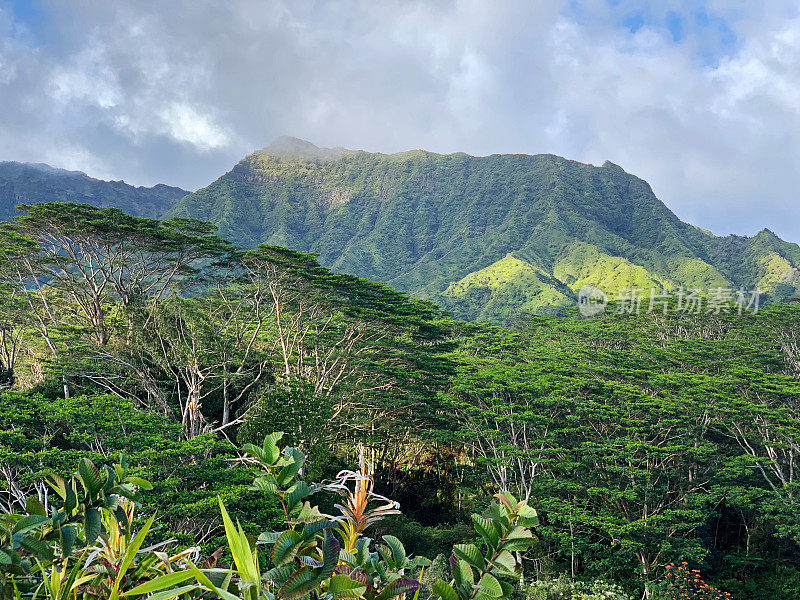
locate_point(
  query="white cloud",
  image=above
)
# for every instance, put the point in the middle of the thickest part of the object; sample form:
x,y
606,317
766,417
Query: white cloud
x,y
186,124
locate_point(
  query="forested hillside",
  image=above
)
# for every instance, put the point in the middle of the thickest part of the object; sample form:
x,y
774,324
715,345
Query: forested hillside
x,y
25,183
145,365
488,238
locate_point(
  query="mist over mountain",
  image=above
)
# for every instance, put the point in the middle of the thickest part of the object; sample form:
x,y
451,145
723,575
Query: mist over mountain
x,y
32,183
488,238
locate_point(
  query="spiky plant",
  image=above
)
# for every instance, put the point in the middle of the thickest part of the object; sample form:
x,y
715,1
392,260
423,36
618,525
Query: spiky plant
x,y
356,516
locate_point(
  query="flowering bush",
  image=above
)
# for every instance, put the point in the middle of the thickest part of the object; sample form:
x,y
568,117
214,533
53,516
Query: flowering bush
x,y
681,583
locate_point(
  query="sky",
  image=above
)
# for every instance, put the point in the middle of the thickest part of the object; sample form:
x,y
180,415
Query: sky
x,y
701,98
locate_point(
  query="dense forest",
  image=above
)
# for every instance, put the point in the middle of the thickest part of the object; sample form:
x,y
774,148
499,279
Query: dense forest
x,y
147,366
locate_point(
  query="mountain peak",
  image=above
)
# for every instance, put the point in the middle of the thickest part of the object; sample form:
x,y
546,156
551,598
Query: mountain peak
x,y
610,165
293,147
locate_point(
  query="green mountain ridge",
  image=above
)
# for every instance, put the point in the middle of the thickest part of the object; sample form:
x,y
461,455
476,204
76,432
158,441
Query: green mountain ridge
x,y
29,183
486,237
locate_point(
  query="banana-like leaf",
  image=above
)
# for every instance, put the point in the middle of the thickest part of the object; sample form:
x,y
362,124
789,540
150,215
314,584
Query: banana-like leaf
x,y
471,554
286,546
90,476
398,551
398,587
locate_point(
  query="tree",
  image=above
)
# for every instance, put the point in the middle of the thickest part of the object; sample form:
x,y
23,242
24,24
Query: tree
x,y
101,256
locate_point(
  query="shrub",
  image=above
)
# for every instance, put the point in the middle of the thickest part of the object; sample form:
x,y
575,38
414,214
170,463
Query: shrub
x,y
564,589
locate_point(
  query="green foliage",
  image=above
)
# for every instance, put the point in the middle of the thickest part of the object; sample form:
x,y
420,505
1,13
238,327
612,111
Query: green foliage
x,y
42,437
641,439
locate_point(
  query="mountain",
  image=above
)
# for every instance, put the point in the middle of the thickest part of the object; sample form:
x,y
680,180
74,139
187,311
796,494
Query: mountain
x,y
26,183
486,237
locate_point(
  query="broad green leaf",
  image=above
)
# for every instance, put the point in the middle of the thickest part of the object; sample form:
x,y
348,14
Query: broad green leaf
x,y
298,491
518,540
286,546
271,451
142,483
462,573
29,522
90,476
341,586
34,507
290,471
490,586
398,587
91,524
444,590
160,583
471,554
299,584
506,563
398,551
487,529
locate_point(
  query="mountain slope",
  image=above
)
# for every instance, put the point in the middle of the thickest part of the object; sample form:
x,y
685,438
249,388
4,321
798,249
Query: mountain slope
x,y
433,224
25,183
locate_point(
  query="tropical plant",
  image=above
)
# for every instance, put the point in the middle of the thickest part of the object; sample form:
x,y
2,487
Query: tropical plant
x,y
36,547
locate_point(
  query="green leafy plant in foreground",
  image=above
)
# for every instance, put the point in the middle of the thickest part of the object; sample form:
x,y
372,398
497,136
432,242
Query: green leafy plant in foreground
x,y
36,545
328,556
